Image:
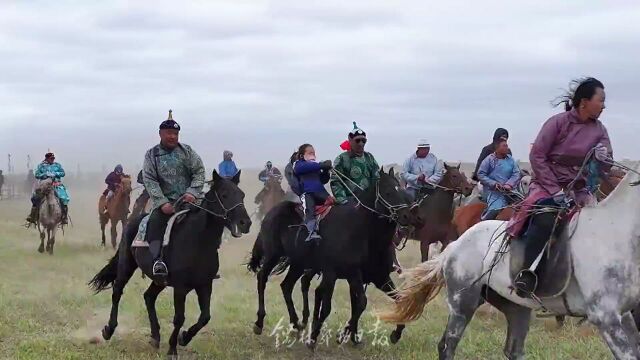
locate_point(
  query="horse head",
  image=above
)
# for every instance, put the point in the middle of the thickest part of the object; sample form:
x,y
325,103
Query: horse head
x,y
125,184
226,200
457,180
393,199
273,183
45,186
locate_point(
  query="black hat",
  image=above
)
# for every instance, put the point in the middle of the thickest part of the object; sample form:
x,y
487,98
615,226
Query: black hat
x,y
170,123
49,155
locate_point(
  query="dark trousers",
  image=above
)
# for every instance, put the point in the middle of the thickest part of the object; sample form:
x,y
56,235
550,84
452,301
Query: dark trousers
x,y
155,230
311,200
540,229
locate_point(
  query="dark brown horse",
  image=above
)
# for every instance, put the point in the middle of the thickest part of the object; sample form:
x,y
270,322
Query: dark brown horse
x,y
270,196
436,210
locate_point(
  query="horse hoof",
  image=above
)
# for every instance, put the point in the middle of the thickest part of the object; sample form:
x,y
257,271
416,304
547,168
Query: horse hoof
x,y
343,336
257,330
182,339
41,249
171,356
311,344
394,337
155,343
107,333
298,327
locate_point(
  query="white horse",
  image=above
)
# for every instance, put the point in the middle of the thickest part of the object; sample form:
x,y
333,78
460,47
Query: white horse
x,y
50,215
604,286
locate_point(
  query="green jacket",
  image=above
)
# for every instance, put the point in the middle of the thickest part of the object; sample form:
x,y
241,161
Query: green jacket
x,y
362,170
169,174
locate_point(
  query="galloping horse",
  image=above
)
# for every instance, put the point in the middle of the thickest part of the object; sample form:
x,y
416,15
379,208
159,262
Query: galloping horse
x,y
603,285
192,258
49,215
273,194
436,210
116,210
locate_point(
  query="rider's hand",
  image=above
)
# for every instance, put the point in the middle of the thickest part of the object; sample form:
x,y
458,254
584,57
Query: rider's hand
x,y
601,152
189,198
326,165
421,178
50,174
507,187
167,209
499,187
560,197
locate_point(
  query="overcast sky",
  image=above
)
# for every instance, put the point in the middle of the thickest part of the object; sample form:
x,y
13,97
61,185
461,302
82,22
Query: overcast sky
x,y
92,80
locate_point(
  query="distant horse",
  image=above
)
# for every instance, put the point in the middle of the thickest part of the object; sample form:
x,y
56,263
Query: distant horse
x,y
116,210
271,195
49,215
436,210
191,256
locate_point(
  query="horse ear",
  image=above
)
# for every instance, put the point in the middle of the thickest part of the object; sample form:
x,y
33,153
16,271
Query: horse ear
x,y
447,167
458,167
236,178
215,177
381,170
392,173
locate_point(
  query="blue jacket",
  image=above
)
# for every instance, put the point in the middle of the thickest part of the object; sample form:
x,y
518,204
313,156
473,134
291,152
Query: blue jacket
x,y
227,169
498,171
311,176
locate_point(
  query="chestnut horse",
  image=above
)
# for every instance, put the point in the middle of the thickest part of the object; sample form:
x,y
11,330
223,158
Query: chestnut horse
x,y
117,209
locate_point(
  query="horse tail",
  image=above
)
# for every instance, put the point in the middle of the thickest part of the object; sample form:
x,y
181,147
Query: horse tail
x,y
257,253
422,284
105,277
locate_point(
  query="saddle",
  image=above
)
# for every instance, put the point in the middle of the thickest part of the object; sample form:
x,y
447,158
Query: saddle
x,y
321,211
555,266
141,236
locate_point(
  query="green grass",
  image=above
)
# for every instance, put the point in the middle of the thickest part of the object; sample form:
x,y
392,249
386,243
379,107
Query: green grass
x,y
47,312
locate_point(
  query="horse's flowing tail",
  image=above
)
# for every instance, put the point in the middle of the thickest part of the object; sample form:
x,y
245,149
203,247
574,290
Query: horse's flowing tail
x,y
105,278
257,253
421,285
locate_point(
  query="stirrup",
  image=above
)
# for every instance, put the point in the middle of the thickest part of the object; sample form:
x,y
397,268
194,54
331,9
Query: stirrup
x,y
159,268
525,283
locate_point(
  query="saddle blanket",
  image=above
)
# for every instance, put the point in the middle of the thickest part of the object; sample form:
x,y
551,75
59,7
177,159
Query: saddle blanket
x,y
140,241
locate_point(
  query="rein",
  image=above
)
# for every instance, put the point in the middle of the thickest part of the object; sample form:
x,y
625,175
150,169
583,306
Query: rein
x,y
225,214
392,209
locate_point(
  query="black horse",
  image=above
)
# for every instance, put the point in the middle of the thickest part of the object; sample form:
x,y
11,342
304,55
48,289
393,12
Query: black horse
x,y
192,258
356,245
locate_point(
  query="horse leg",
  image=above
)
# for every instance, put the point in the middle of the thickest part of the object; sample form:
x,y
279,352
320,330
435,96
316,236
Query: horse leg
x,y
126,268
322,309
463,302
150,297
263,277
114,232
389,288
305,284
358,305
287,286
51,239
42,236
518,318
204,301
179,298
612,330
424,250
103,225
631,329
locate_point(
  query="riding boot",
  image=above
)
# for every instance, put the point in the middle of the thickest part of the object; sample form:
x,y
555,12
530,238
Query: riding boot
x,y
33,215
311,228
536,237
159,267
65,214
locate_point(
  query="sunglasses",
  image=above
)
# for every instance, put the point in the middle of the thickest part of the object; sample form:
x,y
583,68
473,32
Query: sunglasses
x,y
360,141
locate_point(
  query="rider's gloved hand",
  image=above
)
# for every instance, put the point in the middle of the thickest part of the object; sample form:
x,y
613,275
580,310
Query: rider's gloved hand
x,y
326,165
601,152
